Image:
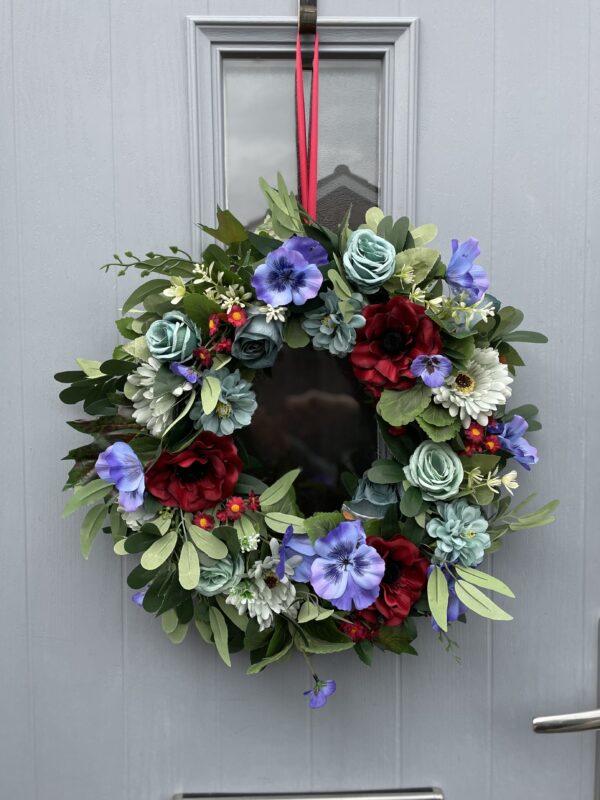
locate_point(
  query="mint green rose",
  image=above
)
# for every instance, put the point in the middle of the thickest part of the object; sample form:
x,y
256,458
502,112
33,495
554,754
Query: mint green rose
x,y
172,338
369,260
219,577
436,470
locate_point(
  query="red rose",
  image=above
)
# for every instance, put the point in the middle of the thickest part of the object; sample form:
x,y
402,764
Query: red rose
x,y
196,478
396,332
403,580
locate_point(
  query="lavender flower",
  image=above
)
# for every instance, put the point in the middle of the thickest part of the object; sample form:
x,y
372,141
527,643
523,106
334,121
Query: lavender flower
x,y
119,464
463,275
347,570
286,277
296,545
320,692
433,370
138,597
312,251
189,373
511,439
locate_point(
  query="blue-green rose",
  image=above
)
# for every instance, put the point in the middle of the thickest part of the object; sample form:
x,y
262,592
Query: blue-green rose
x,y
372,500
369,260
220,576
172,338
436,470
258,342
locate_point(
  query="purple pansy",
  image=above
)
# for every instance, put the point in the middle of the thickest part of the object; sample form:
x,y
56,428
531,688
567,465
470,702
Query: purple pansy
x,y
313,251
320,692
296,545
189,373
511,439
433,370
138,597
347,570
120,465
286,277
463,274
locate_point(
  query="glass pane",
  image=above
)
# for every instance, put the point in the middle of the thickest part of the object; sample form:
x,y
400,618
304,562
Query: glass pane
x,y
259,124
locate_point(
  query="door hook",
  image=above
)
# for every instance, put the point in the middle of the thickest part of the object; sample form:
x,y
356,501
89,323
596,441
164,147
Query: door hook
x,y
307,16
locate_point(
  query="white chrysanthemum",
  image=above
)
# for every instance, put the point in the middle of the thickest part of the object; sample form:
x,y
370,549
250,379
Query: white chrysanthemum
x,y
153,412
248,541
476,391
264,595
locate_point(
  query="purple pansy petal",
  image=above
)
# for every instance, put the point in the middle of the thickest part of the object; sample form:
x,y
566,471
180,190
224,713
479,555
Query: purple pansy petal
x,y
190,375
298,545
463,275
286,277
433,370
511,440
320,693
130,501
313,251
138,597
328,581
119,465
347,534
102,468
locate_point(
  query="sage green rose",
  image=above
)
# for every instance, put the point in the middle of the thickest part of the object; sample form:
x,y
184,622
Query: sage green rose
x,y
172,338
436,470
369,260
220,576
258,342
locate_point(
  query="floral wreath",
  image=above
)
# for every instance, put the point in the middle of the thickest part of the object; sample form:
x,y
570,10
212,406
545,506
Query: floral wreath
x,y
166,475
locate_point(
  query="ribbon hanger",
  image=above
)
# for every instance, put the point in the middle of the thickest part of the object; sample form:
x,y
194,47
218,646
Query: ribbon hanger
x,y
307,151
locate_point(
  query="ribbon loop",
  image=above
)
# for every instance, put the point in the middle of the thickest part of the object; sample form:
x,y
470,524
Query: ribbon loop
x,y
307,151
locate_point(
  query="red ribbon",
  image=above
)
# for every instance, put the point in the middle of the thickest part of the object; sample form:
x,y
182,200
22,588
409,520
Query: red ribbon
x,y
307,154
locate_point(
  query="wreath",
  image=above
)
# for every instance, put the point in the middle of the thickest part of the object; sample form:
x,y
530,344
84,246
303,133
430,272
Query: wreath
x,y
169,474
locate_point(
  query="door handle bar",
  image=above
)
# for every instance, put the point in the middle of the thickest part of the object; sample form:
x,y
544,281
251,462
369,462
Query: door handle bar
x,y
568,723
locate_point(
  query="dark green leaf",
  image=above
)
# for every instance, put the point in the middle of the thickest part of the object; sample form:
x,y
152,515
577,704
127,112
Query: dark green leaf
x,y
154,286
411,502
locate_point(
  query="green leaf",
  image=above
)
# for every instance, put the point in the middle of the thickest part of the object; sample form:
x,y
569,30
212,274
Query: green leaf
x,y
484,580
373,217
229,230
189,566
253,669
397,638
138,348
509,318
294,334
207,542
478,602
459,351
400,408
308,611
386,471
228,535
532,337
424,234
91,368
279,522
397,236
483,461
411,502
169,621
239,620
437,433
92,522
528,411
340,287
178,634
220,633
319,647
198,307
537,519
421,261
279,489
210,393
321,523
437,597
117,367
86,495
364,650
158,552
154,286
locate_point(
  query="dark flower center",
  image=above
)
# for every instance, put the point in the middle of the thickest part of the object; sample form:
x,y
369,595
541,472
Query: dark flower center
x,y
271,580
393,342
393,571
190,474
284,275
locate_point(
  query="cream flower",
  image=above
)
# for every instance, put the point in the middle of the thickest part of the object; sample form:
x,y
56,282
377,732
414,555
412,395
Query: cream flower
x,y
176,291
476,391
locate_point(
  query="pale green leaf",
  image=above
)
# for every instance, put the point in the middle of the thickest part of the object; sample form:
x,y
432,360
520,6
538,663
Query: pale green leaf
x,y
280,522
86,495
401,408
169,621
437,597
92,522
178,634
207,542
484,580
220,634
91,368
424,234
239,620
188,566
138,348
324,613
159,551
478,602
204,630
220,360
386,471
373,217
253,669
323,648
119,547
340,287
244,526
308,611
279,489
210,393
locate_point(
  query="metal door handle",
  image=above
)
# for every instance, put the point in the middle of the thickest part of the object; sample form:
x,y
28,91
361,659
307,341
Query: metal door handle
x,y
568,723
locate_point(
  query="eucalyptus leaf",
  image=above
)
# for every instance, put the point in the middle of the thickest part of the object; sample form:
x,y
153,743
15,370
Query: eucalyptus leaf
x,y
471,575
158,552
239,620
424,234
279,489
155,286
207,542
478,602
169,621
220,633
294,334
178,634
92,522
210,393
188,566
279,522
437,597
86,495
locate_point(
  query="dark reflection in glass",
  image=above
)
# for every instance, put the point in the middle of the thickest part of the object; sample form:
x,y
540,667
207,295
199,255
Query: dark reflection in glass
x,y
311,414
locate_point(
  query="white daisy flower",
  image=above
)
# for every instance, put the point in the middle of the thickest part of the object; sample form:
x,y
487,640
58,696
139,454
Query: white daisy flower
x,y
476,391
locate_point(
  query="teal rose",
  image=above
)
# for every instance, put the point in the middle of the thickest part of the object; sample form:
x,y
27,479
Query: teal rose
x,y
218,577
172,338
369,260
258,342
372,500
436,470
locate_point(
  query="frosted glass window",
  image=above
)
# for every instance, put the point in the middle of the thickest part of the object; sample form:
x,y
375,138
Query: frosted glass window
x,y
259,126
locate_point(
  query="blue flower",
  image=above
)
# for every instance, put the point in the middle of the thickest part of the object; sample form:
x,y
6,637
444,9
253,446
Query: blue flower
x,y
296,545
347,570
313,251
172,338
189,373
511,439
236,405
286,277
463,275
120,465
327,327
138,597
320,692
433,370
461,533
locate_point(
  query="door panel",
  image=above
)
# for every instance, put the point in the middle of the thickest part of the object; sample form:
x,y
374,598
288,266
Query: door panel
x,y
95,158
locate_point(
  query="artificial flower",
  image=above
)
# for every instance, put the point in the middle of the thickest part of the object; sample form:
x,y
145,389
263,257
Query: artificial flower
x,y
510,436
361,626
396,333
204,521
176,291
224,346
436,470
273,313
285,278
234,507
433,370
198,477
253,501
329,328
119,465
369,261
138,597
249,540
172,338
347,571
214,323
372,500
234,409
296,544
491,444
153,398
463,276
461,533
320,693
188,373
310,249
403,580
258,342
476,391
233,296
203,357
475,433
236,316
219,576
509,481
